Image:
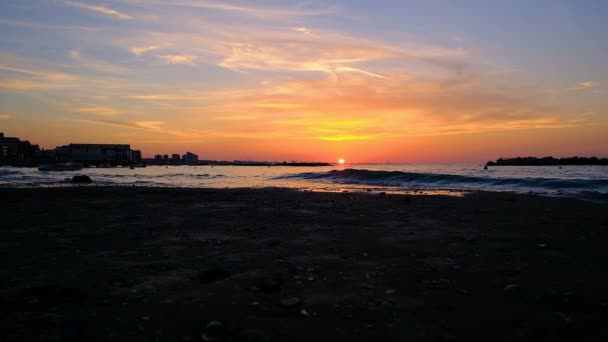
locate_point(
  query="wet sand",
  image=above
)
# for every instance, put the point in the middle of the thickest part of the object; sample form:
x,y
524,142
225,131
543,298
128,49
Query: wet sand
x,y
150,264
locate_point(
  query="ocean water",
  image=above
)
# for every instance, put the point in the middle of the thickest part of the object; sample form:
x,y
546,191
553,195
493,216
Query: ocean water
x,y
586,182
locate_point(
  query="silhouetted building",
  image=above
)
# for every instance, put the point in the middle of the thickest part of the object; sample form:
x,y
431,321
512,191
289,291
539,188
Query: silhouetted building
x,y
100,153
158,158
14,148
175,158
190,158
135,156
165,157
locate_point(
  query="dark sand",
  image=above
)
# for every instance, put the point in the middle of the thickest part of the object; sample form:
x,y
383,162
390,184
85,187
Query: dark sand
x,y
140,264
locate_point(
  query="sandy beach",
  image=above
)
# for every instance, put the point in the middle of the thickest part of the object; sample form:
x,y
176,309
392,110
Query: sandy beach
x,y
159,264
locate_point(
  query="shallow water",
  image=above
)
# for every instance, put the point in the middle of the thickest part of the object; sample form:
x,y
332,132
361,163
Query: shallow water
x,y
589,182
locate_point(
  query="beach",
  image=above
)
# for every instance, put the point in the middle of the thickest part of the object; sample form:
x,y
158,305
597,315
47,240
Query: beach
x,y
161,264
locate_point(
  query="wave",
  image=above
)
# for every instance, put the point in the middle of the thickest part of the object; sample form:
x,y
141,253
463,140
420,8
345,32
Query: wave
x,y
166,175
6,172
401,178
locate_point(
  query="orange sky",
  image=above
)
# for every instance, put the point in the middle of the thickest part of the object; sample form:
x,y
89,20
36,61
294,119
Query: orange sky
x,y
288,81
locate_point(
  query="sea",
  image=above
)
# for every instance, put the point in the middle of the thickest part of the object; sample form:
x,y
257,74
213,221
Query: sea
x,y
583,182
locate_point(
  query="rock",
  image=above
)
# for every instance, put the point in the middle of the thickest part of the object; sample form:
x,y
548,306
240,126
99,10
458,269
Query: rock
x,y
512,288
390,292
81,179
290,302
212,275
304,312
213,331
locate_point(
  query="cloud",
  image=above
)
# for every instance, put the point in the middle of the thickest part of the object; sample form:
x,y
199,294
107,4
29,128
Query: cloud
x,y
141,50
95,64
99,9
260,12
586,85
25,74
4,116
356,107
158,97
97,110
178,59
154,126
46,26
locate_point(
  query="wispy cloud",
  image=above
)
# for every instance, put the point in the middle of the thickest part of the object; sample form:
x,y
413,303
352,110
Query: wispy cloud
x,y
178,59
255,11
587,85
141,50
154,126
4,116
45,26
99,9
158,97
97,110
95,64
18,74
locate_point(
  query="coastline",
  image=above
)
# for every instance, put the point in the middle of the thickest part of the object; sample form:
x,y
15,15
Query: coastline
x,y
140,263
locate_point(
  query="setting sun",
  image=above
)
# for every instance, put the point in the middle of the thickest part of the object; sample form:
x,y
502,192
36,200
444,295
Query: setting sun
x,y
341,161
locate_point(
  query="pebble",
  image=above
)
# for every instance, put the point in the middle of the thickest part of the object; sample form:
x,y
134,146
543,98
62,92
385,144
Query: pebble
x,y
512,288
390,292
290,302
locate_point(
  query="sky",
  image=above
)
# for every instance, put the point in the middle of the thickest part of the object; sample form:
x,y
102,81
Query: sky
x,y
417,81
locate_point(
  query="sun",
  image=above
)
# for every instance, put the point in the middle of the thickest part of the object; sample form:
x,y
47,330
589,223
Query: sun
x,y
341,161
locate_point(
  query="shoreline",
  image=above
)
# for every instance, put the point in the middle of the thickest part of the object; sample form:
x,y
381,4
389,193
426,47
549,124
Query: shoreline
x,y
278,264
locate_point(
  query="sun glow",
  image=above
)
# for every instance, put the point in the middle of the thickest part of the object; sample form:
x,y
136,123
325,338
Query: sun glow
x,y
341,161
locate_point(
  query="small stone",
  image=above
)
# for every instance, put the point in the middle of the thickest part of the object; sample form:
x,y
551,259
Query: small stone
x,y
542,245
304,312
511,288
390,292
290,302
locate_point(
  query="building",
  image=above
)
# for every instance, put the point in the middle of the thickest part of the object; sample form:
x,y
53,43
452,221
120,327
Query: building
x,y
13,148
158,158
135,156
114,154
165,157
175,158
190,158
9,147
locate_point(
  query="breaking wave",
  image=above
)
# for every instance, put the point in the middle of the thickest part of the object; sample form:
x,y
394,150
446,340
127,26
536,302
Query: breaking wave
x,y
557,186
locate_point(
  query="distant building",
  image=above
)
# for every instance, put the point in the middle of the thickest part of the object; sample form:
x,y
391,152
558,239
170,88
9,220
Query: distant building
x,y
190,158
158,158
175,158
135,156
165,157
100,153
14,148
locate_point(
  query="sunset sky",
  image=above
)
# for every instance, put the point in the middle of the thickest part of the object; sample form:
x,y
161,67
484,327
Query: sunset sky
x,y
369,81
